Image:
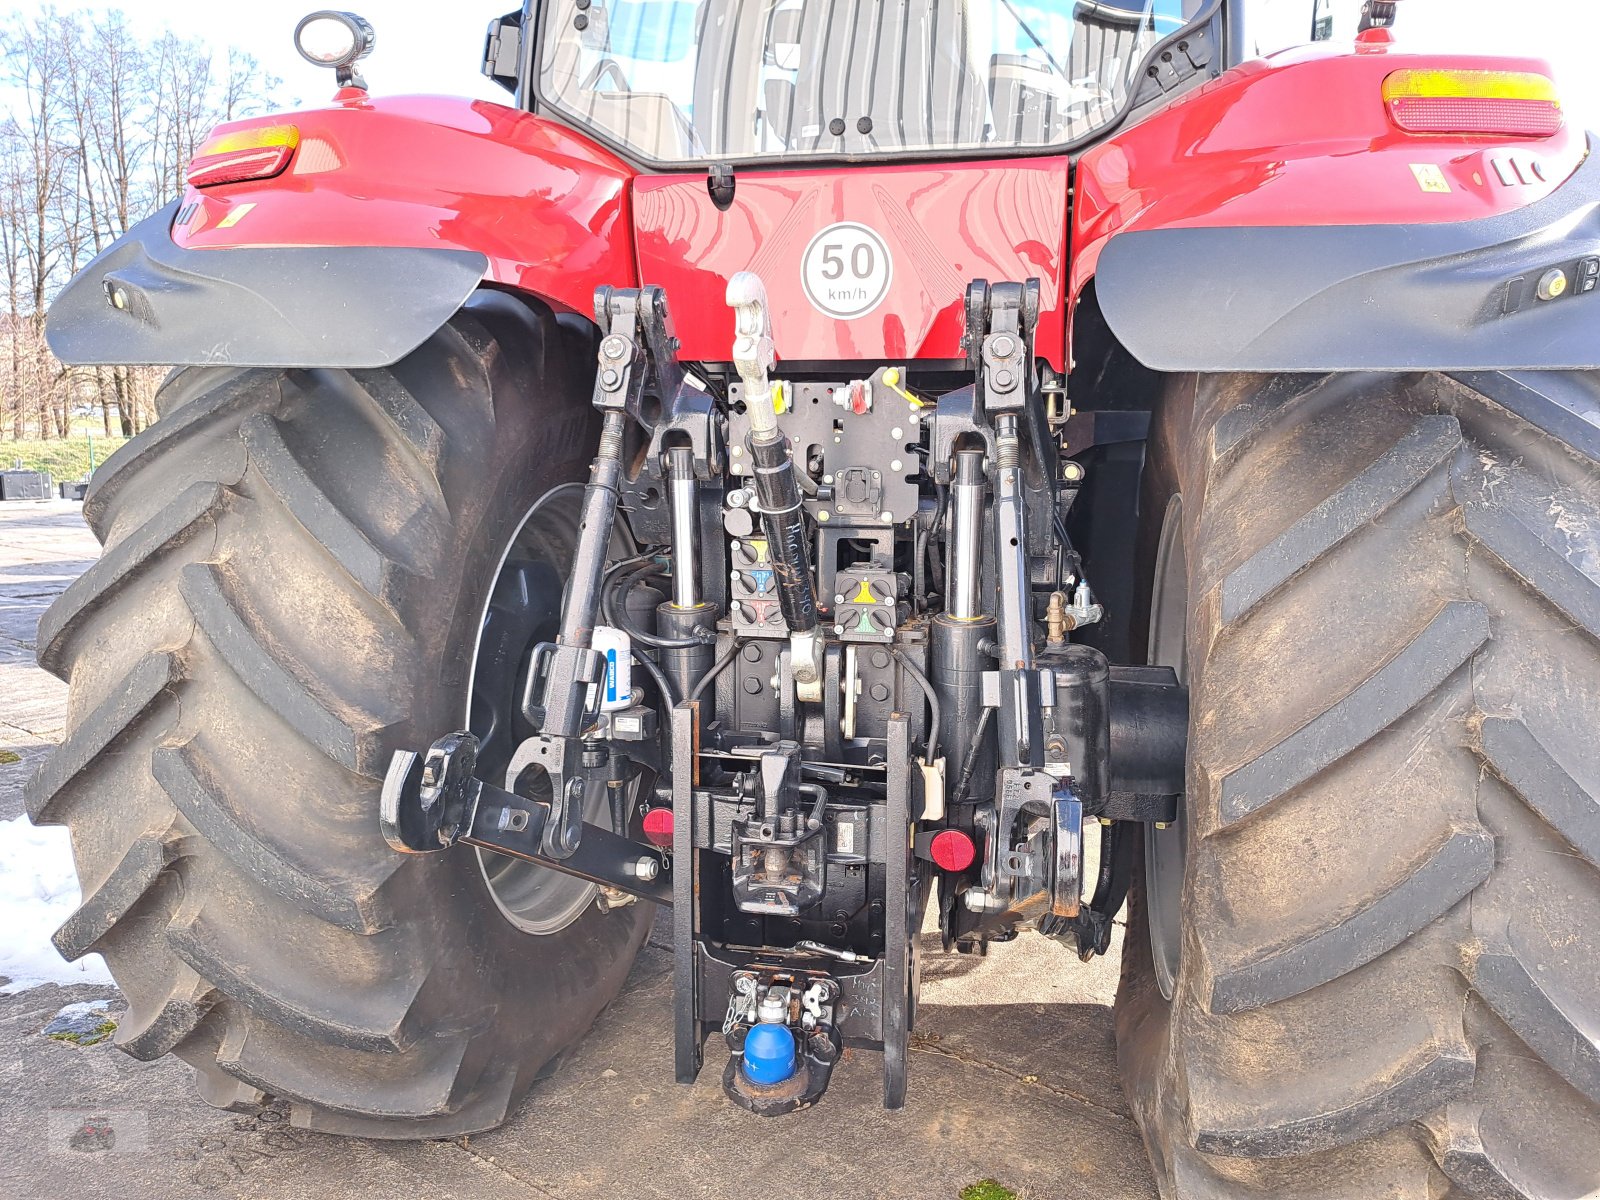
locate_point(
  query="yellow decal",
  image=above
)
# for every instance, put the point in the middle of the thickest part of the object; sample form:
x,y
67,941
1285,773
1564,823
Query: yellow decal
x,y
864,596
759,545
236,214
1430,178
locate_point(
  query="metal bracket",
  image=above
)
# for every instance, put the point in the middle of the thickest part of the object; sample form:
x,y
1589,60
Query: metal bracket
x,y
638,353
562,692
639,374
1066,856
958,417
1019,790
900,916
687,1047
1377,14
779,853
999,340
557,758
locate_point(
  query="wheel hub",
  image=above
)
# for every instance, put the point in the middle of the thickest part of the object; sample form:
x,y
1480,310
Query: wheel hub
x,y
524,609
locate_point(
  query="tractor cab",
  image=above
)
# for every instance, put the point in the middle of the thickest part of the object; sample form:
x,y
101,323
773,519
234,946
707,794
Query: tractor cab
x,y
842,151
675,83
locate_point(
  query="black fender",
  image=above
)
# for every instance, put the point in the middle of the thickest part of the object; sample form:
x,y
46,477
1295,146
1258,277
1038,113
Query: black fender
x,y
1458,296
146,300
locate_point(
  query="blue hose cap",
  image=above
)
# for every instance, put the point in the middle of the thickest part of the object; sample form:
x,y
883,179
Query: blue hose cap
x,y
769,1055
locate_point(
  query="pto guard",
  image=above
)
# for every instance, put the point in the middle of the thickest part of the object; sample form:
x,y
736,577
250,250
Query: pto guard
x,y
147,300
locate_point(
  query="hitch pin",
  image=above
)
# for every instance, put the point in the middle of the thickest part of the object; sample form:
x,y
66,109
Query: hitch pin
x,y
832,951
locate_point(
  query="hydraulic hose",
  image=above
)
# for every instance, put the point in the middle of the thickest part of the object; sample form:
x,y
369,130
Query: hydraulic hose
x,y
668,696
969,762
931,753
717,668
618,617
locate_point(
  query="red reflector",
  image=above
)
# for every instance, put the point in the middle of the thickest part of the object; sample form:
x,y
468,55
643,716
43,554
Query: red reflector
x,y
658,827
262,163
1474,114
952,850
259,152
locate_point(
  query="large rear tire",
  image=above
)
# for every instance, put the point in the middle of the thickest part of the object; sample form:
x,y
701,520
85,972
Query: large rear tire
x,y
297,566
1386,969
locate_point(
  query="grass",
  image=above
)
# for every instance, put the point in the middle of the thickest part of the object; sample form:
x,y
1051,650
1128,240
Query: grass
x,y
92,1038
66,459
987,1189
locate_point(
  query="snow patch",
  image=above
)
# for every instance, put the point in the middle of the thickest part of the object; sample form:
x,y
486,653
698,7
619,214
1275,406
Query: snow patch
x,y
82,1008
38,891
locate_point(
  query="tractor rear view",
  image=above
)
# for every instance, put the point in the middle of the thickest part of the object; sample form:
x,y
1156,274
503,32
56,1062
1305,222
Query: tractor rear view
x,y
825,468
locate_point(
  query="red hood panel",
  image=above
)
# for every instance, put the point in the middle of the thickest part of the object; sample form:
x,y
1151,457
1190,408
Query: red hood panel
x,y
939,227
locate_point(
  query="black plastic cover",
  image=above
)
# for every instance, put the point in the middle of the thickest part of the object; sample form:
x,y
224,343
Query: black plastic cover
x,y
1457,296
148,300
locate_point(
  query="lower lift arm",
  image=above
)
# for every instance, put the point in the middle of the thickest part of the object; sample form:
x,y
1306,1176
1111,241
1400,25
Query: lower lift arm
x,y
433,801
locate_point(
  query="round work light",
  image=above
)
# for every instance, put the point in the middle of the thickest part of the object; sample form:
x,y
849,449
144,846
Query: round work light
x,y
337,39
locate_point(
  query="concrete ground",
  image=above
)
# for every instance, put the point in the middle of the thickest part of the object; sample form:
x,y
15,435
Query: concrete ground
x,y
1013,1074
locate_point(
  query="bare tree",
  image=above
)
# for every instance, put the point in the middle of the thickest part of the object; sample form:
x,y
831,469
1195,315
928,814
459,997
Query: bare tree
x,y
98,130
13,190
34,71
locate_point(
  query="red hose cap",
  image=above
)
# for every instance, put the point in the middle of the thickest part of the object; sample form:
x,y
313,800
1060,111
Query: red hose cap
x,y
952,850
658,827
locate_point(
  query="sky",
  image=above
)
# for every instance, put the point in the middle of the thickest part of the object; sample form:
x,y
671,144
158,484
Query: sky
x,y
1564,32
425,46
421,46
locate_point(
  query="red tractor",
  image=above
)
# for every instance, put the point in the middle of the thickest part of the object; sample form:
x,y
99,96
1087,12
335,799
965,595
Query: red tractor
x,y
822,467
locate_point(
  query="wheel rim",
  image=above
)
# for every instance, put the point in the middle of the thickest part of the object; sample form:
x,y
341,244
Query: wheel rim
x,y
523,609
1166,850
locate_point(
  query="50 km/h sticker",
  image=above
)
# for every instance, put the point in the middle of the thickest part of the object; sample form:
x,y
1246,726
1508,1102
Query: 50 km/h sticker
x,y
846,270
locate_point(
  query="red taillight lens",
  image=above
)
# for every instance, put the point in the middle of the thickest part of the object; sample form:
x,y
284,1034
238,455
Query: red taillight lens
x,y
1513,103
952,850
258,153
658,827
